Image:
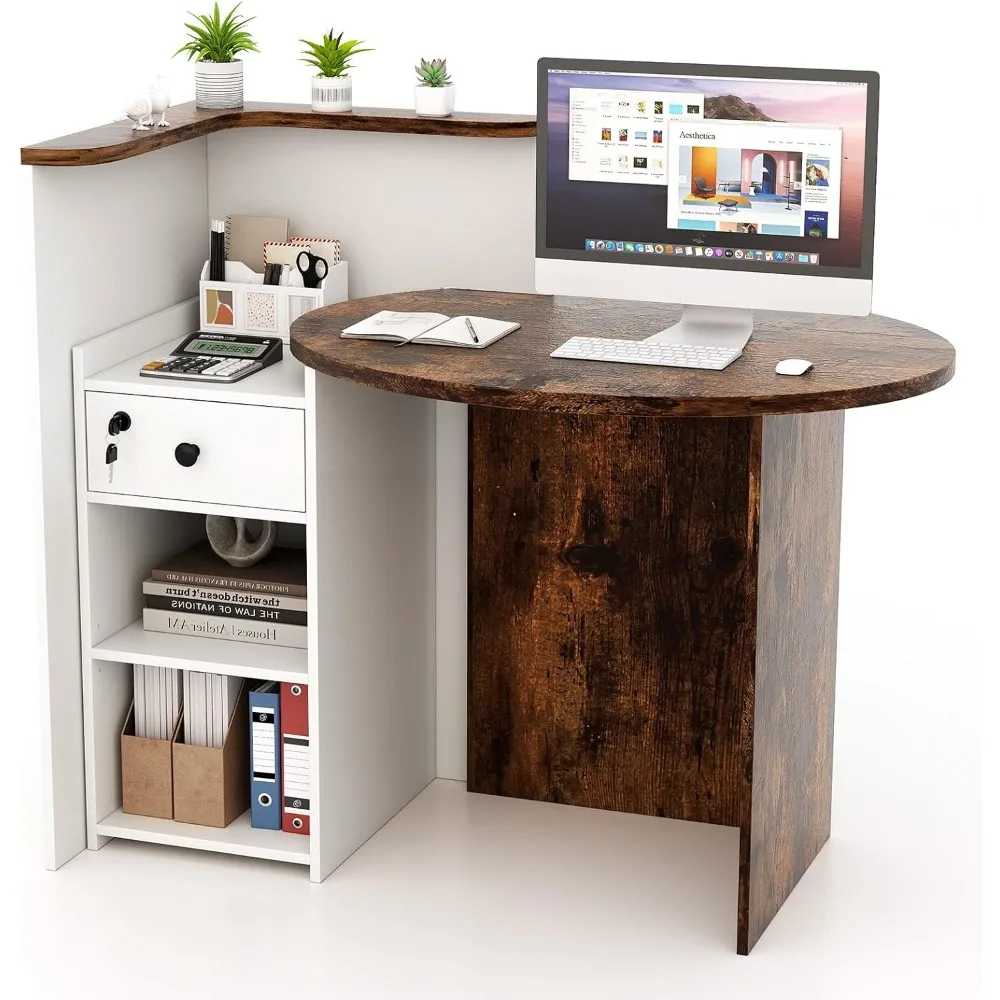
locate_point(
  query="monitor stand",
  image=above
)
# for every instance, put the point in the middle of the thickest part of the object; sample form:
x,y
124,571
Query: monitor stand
x,y
708,326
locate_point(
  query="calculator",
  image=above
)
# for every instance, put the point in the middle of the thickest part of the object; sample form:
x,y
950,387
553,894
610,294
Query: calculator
x,y
215,357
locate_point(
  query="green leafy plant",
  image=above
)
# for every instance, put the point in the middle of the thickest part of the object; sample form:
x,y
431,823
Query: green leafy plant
x,y
218,39
332,56
433,73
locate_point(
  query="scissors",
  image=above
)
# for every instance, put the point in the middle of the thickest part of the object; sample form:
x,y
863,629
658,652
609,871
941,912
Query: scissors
x,y
312,268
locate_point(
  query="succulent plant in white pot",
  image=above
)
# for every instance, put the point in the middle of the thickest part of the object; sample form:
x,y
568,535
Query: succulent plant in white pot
x,y
332,87
434,94
215,41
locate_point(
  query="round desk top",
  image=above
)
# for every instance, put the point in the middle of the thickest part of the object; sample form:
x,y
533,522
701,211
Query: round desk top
x,y
856,361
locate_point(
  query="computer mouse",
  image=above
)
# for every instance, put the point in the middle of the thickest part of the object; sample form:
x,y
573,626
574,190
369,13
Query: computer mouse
x,y
793,366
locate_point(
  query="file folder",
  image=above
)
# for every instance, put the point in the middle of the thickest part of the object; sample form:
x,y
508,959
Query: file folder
x,y
294,710
265,759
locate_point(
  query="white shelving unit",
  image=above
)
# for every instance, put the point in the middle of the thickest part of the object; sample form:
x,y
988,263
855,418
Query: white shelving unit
x,y
371,664
371,688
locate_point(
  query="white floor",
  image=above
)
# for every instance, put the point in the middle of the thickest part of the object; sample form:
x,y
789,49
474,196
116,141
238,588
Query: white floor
x,y
473,896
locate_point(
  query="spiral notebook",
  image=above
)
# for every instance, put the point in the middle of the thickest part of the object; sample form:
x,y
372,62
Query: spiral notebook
x,y
431,328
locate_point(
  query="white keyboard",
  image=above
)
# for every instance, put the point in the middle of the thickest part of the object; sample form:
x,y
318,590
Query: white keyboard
x,y
642,352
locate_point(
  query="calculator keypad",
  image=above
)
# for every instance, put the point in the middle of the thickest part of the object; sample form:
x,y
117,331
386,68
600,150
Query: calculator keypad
x,y
206,367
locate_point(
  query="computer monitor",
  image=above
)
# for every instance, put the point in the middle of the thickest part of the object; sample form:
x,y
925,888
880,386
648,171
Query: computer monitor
x,y
729,188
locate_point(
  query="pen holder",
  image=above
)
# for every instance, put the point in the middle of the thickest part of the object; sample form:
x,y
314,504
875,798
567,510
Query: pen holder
x,y
147,772
244,304
212,786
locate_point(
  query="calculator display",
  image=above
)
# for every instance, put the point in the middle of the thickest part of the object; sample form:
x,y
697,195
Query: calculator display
x,y
229,349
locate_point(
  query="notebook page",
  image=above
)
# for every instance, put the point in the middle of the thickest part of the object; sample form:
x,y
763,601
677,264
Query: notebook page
x,y
389,325
455,332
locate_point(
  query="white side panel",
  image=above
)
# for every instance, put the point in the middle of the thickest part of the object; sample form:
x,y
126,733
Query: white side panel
x,y
411,212
370,551
113,243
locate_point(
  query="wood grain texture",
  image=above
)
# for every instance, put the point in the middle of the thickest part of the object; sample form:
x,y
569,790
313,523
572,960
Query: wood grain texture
x,y
652,624
786,815
611,619
116,140
857,361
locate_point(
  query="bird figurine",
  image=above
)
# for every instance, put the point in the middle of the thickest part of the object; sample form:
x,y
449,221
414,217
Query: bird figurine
x,y
159,96
139,111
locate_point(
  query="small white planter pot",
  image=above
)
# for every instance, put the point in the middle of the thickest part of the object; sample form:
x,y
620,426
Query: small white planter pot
x,y
218,85
434,102
332,93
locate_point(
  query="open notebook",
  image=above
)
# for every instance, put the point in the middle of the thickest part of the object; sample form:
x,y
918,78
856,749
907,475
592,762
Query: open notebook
x,y
430,328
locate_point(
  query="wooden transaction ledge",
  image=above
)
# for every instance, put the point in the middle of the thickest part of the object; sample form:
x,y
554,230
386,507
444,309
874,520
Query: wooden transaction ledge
x,y
117,141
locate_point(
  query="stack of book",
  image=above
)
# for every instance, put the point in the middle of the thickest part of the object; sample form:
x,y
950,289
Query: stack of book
x,y
197,593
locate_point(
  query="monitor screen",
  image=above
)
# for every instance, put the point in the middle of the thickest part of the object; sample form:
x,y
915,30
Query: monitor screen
x,y
707,166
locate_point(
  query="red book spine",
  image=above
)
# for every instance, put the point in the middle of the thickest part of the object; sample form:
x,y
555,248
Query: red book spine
x,y
295,758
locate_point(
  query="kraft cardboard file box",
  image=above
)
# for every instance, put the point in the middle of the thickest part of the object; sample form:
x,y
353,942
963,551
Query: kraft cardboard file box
x,y
147,772
212,786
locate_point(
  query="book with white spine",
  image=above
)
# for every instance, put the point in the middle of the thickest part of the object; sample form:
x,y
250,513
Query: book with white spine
x,y
212,627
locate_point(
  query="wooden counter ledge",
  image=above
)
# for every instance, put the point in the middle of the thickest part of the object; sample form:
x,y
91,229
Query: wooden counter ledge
x,y
117,141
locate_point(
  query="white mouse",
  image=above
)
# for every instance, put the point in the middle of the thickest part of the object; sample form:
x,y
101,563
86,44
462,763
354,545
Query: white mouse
x,y
793,366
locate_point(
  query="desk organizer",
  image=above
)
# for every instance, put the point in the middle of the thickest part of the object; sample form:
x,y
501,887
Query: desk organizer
x,y
244,304
147,772
212,786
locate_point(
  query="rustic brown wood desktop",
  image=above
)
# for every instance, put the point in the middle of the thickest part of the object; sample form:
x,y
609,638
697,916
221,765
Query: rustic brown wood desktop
x,y
653,558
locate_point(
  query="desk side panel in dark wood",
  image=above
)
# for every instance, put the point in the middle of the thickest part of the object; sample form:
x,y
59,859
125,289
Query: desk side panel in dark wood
x,y
611,613
787,819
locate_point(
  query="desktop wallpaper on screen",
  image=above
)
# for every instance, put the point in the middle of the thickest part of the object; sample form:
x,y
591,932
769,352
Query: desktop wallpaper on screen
x,y
660,184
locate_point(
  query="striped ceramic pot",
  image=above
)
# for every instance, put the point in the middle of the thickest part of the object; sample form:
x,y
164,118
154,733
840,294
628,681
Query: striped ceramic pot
x,y
332,93
218,85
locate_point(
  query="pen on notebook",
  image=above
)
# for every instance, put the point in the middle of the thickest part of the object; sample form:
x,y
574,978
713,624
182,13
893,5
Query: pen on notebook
x,y
472,329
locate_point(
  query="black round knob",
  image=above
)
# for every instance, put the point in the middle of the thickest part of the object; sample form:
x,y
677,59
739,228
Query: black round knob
x,y
186,454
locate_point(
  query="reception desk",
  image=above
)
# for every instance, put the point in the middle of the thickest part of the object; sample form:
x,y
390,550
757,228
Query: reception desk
x,y
591,584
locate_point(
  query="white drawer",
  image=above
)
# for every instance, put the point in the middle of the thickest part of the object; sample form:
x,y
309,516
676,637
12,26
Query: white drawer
x,y
247,456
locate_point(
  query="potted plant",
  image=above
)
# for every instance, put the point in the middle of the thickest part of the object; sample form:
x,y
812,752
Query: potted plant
x,y
434,94
332,88
216,41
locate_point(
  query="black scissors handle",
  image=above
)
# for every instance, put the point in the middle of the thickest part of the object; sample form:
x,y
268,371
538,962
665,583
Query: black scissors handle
x,y
313,270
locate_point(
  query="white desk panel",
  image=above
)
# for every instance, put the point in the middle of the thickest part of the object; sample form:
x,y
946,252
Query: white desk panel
x,y
113,243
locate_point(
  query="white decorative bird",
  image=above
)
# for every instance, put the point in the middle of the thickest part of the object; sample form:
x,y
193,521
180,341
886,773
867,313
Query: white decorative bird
x,y
159,96
139,110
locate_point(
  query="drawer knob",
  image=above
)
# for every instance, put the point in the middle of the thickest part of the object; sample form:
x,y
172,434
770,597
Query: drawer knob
x,y
186,454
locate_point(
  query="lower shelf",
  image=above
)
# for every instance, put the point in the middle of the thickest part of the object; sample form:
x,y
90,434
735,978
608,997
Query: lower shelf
x,y
237,838
133,644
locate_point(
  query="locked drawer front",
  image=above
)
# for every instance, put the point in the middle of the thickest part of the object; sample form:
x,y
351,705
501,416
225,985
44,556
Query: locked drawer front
x,y
183,449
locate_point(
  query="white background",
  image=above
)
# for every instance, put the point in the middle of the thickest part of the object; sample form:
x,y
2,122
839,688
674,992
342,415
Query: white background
x,y
897,914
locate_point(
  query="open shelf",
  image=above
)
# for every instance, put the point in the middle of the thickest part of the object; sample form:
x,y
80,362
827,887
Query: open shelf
x,y
237,838
133,644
